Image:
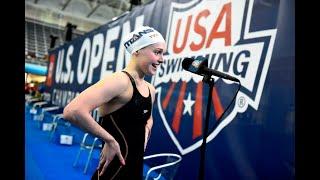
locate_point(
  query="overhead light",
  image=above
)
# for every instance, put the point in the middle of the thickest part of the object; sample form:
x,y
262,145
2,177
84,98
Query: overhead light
x,y
69,31
53,41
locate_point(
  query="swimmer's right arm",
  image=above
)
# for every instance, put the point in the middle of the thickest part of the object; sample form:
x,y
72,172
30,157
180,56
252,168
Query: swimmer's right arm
x,y
78,110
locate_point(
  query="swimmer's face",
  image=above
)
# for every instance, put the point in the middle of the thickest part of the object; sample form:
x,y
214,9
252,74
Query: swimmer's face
x,y
150,57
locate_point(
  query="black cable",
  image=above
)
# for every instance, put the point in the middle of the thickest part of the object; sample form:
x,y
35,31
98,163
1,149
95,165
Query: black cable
x,y
203,146
228,106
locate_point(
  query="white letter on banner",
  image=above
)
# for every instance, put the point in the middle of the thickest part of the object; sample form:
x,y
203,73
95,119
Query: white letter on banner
x,y
109,52
59,66
97,44
121,61
85,48
69,74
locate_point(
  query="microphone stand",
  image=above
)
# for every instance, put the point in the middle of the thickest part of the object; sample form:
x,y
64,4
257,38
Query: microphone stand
x,y
210,81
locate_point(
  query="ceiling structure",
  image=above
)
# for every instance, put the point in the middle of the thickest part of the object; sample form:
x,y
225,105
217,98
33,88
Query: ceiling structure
x,y
86,14
46,17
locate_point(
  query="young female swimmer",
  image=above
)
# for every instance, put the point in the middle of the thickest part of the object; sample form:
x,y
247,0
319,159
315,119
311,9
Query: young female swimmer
x,y
125,105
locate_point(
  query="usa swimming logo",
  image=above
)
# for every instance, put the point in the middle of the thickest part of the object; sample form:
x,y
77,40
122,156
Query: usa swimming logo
x,y
218,30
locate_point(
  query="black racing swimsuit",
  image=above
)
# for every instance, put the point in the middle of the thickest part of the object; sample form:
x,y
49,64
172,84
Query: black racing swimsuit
x,y
127,126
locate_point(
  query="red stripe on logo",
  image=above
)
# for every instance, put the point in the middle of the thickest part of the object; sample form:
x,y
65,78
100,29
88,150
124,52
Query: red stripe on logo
x,y
178,112
197,118
166,100
218,109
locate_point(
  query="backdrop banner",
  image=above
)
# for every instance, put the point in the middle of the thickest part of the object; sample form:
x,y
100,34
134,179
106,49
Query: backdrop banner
x,y
251,40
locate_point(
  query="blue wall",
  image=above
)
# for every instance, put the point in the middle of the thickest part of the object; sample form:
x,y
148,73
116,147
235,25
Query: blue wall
x,y
35,69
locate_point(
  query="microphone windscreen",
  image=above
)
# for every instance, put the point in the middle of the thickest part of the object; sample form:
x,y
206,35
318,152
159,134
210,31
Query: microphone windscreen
x,y
186,63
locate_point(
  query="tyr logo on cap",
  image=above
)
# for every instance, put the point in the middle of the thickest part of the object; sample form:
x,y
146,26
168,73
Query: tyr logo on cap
x,y
137,36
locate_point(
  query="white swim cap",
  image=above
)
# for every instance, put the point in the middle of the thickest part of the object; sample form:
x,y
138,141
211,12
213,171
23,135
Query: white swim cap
x,y
142,37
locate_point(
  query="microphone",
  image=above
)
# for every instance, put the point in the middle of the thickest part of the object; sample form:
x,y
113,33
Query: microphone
x,y
199,66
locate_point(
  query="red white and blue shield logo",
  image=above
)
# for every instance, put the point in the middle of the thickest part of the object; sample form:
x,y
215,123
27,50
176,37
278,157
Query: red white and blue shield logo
x,y
219,32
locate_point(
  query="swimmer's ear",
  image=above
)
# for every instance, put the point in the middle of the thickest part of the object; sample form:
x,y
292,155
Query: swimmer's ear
x,y
136,53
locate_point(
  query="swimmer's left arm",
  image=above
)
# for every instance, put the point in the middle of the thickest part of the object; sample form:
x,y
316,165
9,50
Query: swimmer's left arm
x,y
148,127
149,124
148,131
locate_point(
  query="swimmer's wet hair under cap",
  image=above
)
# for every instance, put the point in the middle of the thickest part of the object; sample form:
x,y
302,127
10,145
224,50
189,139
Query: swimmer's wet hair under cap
x,y
142,37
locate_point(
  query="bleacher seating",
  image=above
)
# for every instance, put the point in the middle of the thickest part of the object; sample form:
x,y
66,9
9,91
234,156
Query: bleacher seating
x,y
37,39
